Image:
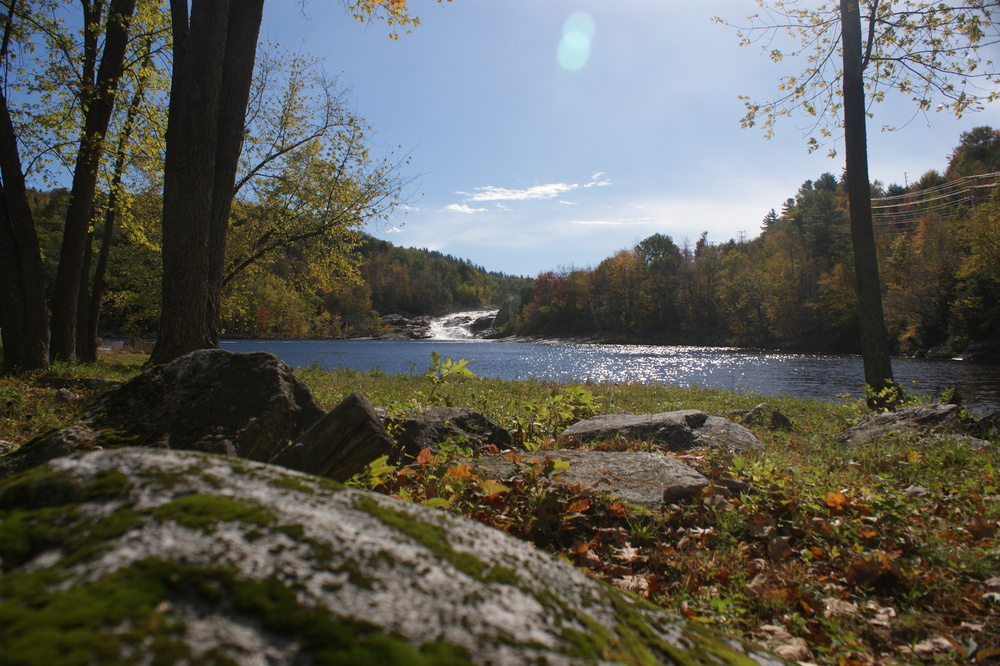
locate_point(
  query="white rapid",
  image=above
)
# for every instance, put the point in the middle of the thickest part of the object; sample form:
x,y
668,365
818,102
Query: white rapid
x,y
462,325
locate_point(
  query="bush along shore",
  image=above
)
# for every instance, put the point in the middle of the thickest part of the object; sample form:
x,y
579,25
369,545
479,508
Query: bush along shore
x,y
829,552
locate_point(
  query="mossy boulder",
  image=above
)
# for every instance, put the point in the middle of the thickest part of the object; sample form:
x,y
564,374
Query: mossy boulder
x,y
159,556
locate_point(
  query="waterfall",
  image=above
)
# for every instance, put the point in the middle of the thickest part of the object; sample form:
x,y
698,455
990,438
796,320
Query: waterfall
x,y
462,325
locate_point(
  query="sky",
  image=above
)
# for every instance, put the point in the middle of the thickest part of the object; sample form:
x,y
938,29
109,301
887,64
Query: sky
x,y
550,134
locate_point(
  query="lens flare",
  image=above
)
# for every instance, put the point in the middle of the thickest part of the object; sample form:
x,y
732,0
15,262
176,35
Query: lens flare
x,y
574,47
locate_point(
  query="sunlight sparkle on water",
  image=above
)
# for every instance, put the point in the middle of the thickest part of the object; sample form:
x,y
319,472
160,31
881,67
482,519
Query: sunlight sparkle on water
x,y
574,47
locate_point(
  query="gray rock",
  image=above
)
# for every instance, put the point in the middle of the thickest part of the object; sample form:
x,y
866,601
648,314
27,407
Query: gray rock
x,y
763,414
247,405
674,431
157,556
721,433
65,396
401,327
438,425
918,419
637,477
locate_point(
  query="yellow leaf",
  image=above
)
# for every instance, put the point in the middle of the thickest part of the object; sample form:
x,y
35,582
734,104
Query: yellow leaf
x,y
492,487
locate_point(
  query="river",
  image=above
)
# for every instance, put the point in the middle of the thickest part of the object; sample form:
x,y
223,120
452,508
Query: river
x,y
822,376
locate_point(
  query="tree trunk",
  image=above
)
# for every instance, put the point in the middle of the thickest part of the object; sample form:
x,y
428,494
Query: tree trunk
x,y
874,341
241,50
24,320
98,116
213,63
24,317
90,314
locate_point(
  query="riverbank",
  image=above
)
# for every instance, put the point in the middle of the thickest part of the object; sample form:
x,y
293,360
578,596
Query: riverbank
x,y
882,553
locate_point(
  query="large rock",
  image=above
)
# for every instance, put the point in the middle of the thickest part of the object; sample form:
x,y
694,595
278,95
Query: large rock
x,y
674,431
402,327
917,419
246,405
435,426
157,556
638,477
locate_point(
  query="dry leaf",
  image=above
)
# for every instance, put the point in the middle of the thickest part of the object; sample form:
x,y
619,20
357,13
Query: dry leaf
x,y
627,553
795,649
837,501
834,606
779,549
425,456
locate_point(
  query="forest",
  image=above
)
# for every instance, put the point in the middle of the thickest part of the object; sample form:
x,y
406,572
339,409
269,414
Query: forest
x,y
792,286
293,292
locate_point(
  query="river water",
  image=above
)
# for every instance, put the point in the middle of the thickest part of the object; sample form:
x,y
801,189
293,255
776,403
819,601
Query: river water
x,y
823,376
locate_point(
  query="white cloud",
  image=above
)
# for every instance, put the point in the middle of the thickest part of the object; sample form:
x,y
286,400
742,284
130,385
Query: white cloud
x,y
493,193
569,203
546,191
464,209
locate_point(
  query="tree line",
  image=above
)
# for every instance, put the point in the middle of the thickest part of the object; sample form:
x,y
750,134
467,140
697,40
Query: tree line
x,y
337,285
793,286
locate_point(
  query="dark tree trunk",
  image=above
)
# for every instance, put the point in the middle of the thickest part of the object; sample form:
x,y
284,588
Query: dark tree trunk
x,y
241,50
213,67
24,317
90,313
24,320
78,215
874,341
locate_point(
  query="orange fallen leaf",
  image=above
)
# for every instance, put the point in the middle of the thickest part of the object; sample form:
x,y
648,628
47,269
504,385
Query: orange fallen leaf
x,y
459,472
425,456
837,501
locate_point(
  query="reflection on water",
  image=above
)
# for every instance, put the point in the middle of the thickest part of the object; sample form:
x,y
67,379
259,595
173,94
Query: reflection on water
x,y
823,376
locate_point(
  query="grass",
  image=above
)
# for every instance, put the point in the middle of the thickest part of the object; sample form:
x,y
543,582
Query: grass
x,y
884,553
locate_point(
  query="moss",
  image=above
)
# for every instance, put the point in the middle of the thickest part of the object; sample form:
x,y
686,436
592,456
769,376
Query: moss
x,y
107,483
38,487
117,616
98,622
116,439
26,533
434,538
200,511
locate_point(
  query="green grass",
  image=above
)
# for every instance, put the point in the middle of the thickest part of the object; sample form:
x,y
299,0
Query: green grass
x,y
883,553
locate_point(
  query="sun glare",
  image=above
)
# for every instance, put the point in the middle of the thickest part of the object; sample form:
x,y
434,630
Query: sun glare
x,y
574,47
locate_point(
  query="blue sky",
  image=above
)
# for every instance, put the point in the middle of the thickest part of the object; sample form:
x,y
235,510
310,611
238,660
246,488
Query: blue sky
x,y
549,134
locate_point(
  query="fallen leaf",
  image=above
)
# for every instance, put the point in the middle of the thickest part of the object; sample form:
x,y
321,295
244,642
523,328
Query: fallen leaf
x,y
981,529
578,506
459,472
795,649
834,607
837,501
638,584
590,560
779,549
492,488
627,553
617,571
425,456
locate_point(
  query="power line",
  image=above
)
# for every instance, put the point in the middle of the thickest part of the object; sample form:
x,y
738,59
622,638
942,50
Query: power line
x,y
905,209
